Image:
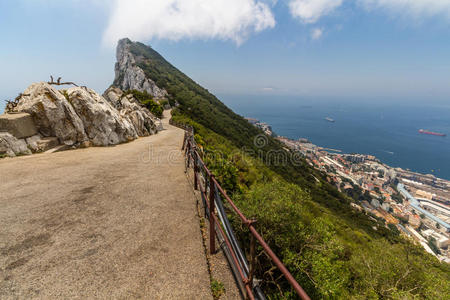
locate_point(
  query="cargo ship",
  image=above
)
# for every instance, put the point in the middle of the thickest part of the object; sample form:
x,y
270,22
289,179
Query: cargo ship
x,y
431,132
329,119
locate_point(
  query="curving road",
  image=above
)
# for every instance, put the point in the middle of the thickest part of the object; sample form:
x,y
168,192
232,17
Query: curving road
x,y
116,222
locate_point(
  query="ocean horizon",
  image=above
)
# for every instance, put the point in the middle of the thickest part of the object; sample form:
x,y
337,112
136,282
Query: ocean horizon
x,y
387,130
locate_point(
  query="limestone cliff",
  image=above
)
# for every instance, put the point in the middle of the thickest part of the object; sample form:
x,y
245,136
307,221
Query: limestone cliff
x,y
130,76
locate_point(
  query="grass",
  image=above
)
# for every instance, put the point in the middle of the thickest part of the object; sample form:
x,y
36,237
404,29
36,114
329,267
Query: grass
x,y
217,288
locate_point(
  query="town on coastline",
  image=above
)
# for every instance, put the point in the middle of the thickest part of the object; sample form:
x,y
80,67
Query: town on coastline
x,y
416,205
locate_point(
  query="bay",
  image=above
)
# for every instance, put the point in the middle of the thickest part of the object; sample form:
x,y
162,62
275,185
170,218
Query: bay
x,y
386,129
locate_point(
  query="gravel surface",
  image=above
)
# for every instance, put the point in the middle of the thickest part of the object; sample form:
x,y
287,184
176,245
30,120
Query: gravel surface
x,y
116,222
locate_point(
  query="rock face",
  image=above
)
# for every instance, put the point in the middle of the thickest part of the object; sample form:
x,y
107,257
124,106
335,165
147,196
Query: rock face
x,y
129,76
77,117
33,143
12,146
142,119
20,125
102,123
52,113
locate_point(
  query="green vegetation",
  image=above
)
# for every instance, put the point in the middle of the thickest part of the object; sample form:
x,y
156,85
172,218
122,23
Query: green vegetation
x,y
64,93
146,99
333,251
163,102
331,260
217,288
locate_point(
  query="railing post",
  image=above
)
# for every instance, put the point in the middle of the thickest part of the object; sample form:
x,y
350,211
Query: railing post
x,y
195,170
212,228
186,148
252,260
188,152
184,141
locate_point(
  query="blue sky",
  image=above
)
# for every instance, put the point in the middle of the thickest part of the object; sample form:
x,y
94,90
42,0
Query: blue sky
x,y
362,49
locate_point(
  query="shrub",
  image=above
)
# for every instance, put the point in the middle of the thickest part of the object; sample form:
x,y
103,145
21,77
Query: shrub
x,y
217,288
147,99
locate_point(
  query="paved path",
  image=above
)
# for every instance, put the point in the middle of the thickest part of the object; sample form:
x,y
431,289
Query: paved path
x,y
115,222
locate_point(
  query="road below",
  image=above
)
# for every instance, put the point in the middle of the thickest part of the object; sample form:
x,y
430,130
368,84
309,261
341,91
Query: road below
x,y
113,222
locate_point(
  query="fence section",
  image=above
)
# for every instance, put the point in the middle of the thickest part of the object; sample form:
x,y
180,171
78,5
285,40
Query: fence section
x,y
212,195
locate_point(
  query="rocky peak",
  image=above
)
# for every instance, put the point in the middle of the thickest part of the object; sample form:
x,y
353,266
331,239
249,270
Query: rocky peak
x,y
129,76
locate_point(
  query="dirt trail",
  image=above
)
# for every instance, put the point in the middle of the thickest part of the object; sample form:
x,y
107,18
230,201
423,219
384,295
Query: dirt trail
x,y
114,222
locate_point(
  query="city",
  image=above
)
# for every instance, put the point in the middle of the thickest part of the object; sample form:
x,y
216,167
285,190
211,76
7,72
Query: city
x,y
414,204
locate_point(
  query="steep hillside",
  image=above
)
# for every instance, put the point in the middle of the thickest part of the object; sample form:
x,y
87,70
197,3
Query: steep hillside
x,y
332,250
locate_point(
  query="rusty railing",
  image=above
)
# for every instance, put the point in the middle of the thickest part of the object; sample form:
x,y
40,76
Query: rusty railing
x,y
219,226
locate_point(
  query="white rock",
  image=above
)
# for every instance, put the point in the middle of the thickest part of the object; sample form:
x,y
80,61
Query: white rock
x,y
143,120
53,115
11,146
129,76
32,142
102,122
113,95
80,117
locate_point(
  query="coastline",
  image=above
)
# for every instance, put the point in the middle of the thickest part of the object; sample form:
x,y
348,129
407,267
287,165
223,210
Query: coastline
x,y
416,204
388,130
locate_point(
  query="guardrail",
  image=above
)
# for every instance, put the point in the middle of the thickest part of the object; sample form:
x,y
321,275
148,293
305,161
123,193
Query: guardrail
x,y
220,228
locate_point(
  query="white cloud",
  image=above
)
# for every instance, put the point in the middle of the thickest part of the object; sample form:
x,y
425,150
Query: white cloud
x,y
310,11
232,20
316,33
415,8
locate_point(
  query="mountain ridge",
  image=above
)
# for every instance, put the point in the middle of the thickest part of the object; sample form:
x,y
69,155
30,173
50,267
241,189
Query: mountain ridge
x,y
332,250
129,76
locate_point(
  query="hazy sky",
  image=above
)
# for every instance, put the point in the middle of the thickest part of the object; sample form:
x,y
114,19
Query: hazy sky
x,y
397,49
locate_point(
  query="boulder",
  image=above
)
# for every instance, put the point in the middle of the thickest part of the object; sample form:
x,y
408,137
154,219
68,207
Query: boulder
x,y
143,120
20,125
33,141
48,143
52,113
102,122
78,117
113,95
12,146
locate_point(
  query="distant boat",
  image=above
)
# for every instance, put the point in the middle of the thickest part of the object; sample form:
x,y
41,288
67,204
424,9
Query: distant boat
x,y
330,119
431,132
388,152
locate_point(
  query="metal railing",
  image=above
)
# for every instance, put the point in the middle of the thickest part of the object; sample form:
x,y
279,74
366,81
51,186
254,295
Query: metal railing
x,y
220,228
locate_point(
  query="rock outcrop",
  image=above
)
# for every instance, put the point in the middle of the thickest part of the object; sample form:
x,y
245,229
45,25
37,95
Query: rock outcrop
x,y
129,76
102,123
77,117
142,119
12,146
33,143
52,113
20,125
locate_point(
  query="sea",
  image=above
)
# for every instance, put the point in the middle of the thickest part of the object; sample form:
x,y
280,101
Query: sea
x,y
385,129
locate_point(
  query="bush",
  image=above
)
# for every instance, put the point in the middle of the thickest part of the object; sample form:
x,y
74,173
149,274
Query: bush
x,y
147,100
329,259
154,107
217,288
